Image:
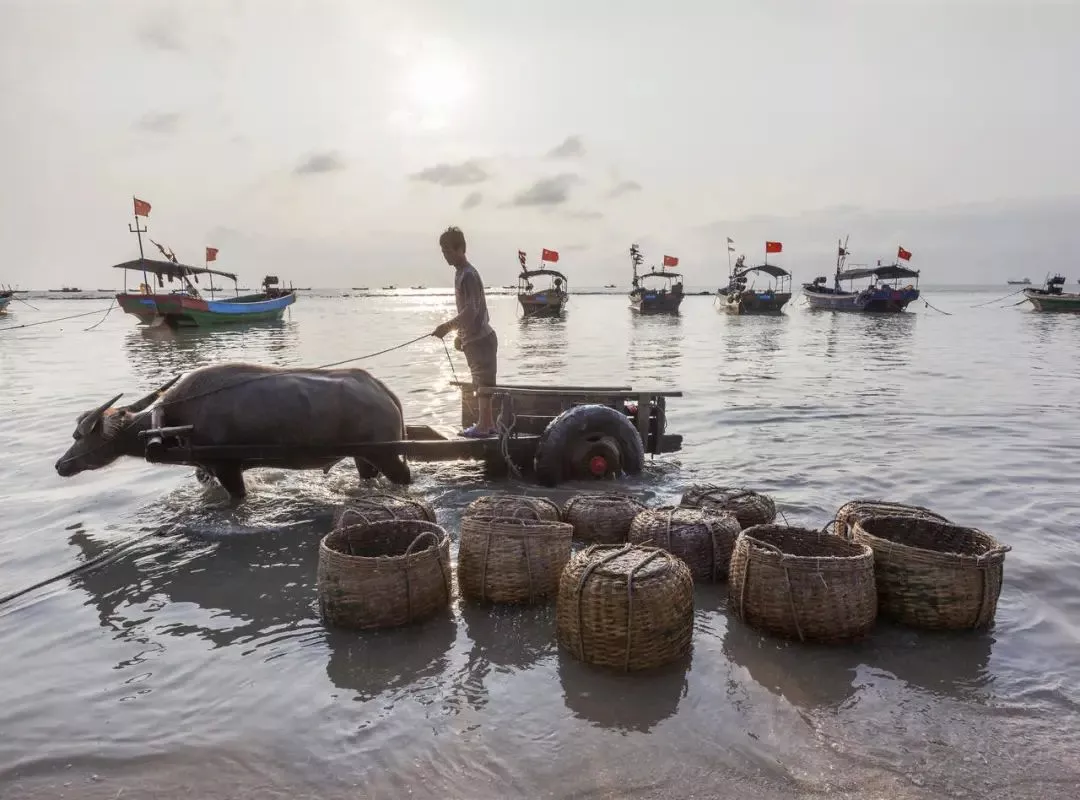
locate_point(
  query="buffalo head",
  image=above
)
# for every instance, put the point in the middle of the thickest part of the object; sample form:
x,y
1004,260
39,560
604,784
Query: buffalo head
x,y
103,434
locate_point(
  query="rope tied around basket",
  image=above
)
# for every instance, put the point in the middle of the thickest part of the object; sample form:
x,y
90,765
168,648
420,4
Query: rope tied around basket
x,y
787,581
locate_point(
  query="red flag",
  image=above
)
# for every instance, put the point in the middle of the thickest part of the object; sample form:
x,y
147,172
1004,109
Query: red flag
x,y
211,254
549,255
142,208
671,261
904,254
774,247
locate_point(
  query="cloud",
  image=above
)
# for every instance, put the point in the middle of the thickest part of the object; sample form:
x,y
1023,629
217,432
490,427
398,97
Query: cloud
x,y
585,214
319,163
571,148
463,174
574,248
623,187
160,34
165,122
547,191
472,201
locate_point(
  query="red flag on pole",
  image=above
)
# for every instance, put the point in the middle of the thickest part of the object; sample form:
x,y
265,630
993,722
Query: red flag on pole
x,y
774,247
549,255
142,208
671,261
903,254
211,254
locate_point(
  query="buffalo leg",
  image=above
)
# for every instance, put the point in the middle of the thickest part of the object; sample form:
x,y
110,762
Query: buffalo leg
x,y
396,468
366,469
231,479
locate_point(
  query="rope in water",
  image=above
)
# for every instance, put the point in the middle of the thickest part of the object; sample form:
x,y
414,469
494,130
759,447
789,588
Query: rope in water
x,y
928,305
998,300
58,319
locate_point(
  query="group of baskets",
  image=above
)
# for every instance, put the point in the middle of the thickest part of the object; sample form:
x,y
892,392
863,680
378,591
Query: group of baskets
x,y
626,599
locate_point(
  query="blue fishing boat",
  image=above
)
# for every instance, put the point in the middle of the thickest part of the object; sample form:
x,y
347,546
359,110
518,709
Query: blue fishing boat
x,y
883,294
666,293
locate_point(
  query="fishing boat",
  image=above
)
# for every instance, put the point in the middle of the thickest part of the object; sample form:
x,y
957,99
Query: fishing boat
x,y
5,299
1021,282
1053,297
66,290
389,288
545,302
883,294
665,295
739,299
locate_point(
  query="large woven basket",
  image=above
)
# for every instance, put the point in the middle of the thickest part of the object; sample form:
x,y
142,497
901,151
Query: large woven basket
x,y
933,574
702,537
748,506
601,518
511,560
383,506
626,607
803,584
514,505
857,510
383,574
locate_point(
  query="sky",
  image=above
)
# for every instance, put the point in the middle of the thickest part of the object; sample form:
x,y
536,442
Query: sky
x,y
329,142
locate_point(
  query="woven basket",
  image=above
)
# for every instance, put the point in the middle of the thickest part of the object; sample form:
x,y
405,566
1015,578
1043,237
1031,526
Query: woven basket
x,y
702,537
803,584
748,506
514,505
601,518
626,607
858,510
383,506
383,574
507,560
933,574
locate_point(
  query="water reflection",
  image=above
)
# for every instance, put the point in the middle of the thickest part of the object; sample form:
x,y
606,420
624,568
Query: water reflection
x,y
655,347
622,702
752,343
541,347
154,352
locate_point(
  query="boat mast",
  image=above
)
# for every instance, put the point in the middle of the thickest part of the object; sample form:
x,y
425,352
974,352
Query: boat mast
x,y
841,257
138,231
635,259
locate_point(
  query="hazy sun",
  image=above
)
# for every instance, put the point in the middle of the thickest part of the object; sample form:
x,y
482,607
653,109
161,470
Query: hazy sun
x,y
435,90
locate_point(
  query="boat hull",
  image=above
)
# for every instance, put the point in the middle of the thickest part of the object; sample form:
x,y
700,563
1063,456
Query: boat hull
x,y
181,311
875,301
1053,302
656,302
751,302
542,304
5,301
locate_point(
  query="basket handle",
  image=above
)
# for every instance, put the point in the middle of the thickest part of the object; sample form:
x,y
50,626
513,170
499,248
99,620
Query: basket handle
x,y
825,528
423,534
1000,550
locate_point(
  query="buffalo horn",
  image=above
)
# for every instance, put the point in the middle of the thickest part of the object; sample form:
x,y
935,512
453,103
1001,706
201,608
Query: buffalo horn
x,y
142,405
91,419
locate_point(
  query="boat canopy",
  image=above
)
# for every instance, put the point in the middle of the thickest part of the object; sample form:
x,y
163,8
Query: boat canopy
x,y
531,272
886,273
655,274
768,269
168,269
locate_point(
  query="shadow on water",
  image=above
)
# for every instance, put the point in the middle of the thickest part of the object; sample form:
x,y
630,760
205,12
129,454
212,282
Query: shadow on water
x,y
622,702
541,348
159,351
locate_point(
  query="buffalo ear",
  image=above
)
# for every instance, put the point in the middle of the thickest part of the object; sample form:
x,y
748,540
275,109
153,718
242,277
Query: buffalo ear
x,y
90,421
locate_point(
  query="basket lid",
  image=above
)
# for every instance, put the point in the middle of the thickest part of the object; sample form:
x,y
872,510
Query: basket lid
x,y
619,561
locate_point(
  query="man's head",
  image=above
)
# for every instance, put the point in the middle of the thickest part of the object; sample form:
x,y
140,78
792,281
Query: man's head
x,y
452,242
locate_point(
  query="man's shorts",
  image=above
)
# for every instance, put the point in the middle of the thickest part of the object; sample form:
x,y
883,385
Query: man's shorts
x,y
482,358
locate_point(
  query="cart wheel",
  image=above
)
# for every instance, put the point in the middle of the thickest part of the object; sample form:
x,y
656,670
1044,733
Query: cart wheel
x,y
588,442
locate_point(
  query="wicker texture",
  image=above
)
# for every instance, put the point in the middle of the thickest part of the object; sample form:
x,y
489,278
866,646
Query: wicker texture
x,y
601,518
857,510
383,506
803,584
626,607
933,574
383,574
749,507
512,505
702,537
508,560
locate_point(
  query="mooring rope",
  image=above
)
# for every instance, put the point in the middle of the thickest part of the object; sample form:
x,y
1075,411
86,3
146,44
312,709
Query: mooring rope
x,y
998,300
47,321
928,305
107,312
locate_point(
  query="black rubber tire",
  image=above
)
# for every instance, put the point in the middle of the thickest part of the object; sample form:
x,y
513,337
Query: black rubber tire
x,y
560,438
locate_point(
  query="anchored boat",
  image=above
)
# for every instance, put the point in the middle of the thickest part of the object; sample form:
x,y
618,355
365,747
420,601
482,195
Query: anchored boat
x,y
1053,297
185,306
547,302
663,299
739,299
1021,282
5,299
884,294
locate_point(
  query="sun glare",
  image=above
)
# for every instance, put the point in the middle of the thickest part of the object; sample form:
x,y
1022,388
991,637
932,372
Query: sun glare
x,y
435,90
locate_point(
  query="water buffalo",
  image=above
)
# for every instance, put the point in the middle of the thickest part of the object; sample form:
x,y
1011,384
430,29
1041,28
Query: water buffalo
x,y
236,404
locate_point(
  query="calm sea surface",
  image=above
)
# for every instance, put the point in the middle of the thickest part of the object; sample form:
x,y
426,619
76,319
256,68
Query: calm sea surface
x,y
195,664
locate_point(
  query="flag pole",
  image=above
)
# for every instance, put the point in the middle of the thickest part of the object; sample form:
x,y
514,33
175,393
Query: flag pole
x,y
766,254
138,230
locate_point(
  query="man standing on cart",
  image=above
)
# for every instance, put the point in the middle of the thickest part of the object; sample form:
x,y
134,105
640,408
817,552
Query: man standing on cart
x,y
475,336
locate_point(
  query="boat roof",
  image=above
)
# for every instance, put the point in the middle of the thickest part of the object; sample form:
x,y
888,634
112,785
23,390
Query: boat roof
x,y
530,272
169,269
889,271
768,269
664,274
